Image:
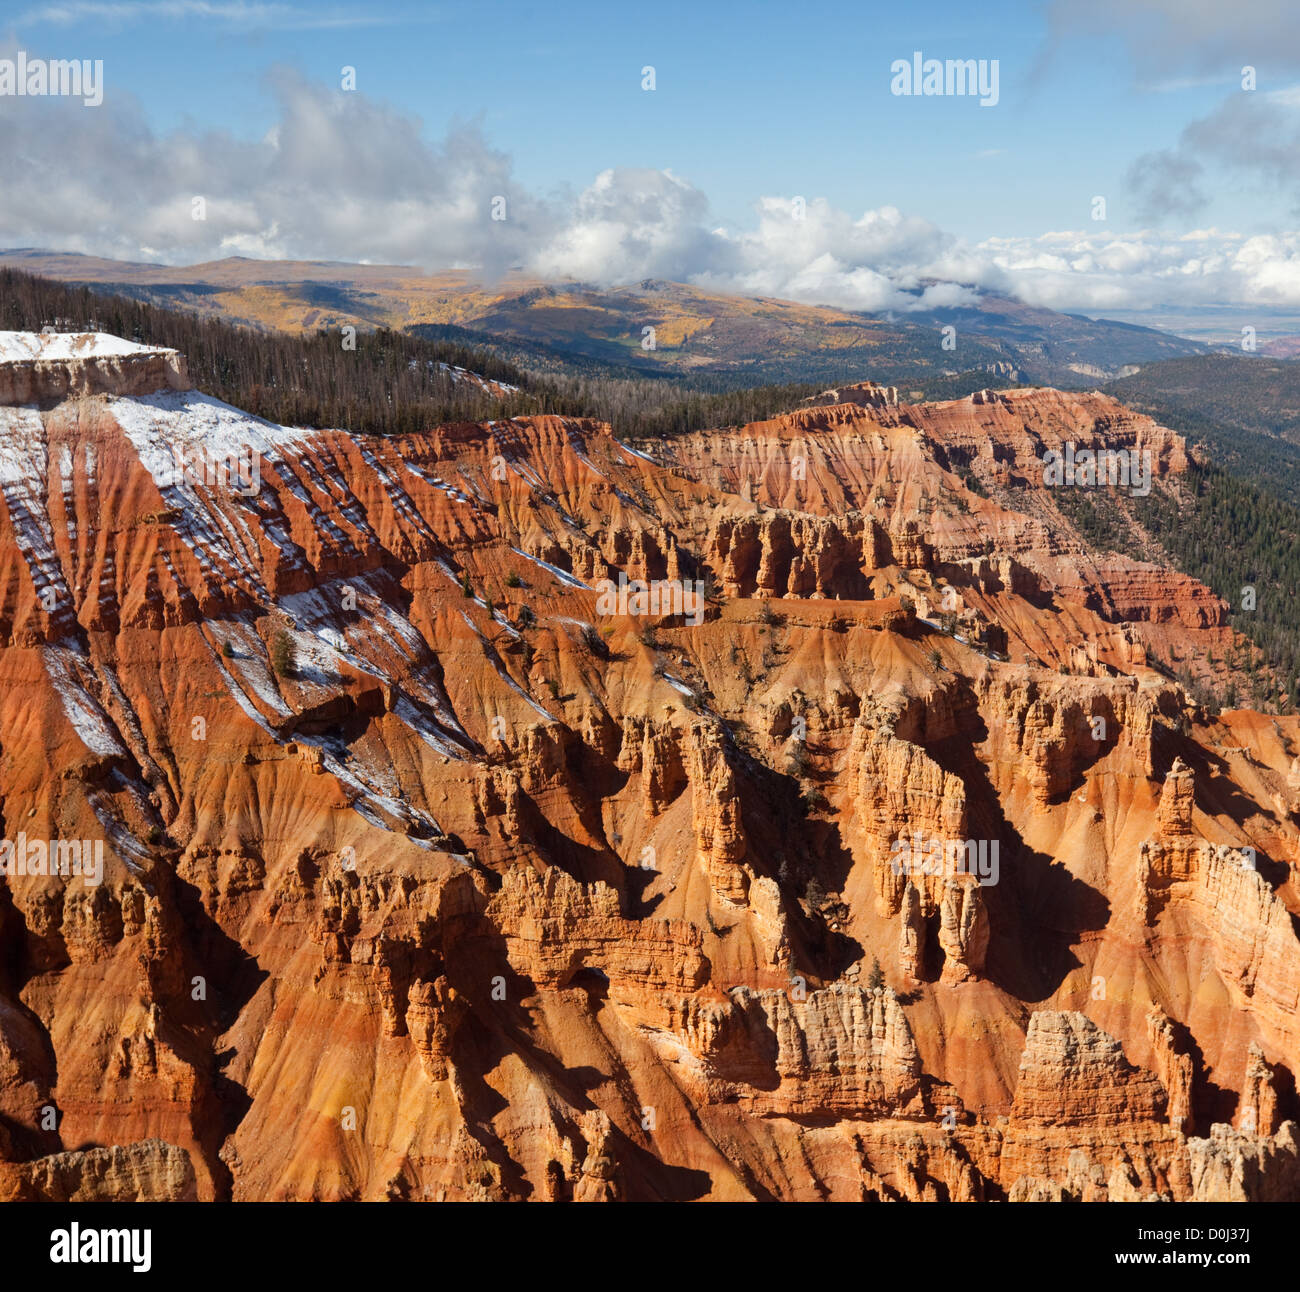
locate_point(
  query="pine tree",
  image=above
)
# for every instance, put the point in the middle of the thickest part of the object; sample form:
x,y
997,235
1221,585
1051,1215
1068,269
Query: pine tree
x,y
282,654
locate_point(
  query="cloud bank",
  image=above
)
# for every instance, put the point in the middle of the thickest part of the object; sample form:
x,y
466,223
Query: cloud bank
x,y
343,177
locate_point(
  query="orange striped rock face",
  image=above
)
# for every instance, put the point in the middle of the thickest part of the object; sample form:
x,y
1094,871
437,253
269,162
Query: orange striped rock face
x,y
802,810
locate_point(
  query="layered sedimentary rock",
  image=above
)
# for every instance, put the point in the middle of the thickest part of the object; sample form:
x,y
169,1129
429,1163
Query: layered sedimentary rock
x,y
963,929
1258,1111
1173,1067
716,810
427,873
49,367
1231,1166
151,1171
1074,1073
554,927
1078,1093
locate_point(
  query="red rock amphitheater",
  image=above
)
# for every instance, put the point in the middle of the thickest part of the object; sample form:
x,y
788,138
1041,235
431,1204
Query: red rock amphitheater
x,y
424,880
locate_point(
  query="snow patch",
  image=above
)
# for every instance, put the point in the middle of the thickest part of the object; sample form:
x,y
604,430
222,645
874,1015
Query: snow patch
x,y
20,347
97,732
563,575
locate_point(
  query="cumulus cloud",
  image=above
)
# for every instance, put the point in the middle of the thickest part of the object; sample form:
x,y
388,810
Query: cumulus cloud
x,y
815,252
1098,271
343,177
631,223
338,177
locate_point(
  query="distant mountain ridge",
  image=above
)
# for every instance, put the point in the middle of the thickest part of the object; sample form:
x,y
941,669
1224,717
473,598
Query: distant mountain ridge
x,y
651,327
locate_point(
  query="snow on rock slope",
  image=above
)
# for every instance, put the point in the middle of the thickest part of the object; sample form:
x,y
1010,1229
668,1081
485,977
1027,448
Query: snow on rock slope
x,y
43,367
64,346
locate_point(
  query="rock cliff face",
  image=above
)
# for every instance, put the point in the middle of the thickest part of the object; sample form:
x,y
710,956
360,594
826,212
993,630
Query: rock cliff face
x,y
46,368
364,840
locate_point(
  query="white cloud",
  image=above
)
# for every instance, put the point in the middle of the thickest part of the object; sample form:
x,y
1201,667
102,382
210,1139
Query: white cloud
x,y
339,177
1143,270
631,224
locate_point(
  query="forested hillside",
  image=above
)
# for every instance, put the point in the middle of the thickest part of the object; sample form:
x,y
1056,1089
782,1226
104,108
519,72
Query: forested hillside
x,y
391,382
1239,539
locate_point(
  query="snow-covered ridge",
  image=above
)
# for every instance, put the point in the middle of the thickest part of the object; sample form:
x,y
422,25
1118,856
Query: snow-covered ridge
x,y
44,367
21,346
161,424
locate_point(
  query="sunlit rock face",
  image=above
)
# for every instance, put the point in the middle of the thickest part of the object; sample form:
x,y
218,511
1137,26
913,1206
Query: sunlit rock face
x,y
43,368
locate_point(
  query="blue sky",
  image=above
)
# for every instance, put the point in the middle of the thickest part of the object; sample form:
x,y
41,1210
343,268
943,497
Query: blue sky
x,y
764,100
